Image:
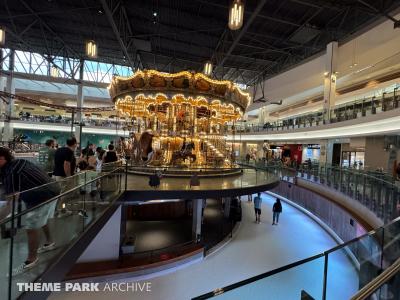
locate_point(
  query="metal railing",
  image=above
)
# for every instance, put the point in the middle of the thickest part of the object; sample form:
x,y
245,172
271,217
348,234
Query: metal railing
x,y
376,286
343,112
359,261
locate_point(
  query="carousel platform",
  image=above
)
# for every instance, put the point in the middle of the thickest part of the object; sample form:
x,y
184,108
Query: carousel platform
x,y
248,182
185,172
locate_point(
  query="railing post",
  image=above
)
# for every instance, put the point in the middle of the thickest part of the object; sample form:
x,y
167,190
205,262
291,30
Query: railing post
x,y
325,276
126,175
12,231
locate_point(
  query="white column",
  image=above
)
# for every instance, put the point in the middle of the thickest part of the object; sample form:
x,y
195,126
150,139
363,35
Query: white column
x,y
106,244
197,218
331,61
79,104
2,84
8,131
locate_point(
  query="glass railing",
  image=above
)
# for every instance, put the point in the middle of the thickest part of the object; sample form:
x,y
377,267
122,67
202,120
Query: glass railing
x,y
385,286
378,192
62,210
213,179
343,112
335,274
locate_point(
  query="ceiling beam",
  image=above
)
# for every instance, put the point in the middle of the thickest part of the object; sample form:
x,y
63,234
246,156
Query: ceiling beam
x,y
56,36
117,34
260,5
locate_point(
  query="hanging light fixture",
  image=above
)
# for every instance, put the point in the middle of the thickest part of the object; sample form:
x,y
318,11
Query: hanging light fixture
x,y
2,36
91,49
54,71
236,12
208,68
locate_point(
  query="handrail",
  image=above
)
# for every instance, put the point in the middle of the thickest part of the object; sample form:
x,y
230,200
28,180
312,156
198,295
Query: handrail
x,y
377,282
14,216
258,277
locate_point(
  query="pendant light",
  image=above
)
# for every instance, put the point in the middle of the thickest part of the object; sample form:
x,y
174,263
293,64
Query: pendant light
x,y
91,49
236,12
2,36
208,68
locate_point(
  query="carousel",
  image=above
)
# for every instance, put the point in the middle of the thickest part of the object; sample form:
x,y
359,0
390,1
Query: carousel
x,y
178,121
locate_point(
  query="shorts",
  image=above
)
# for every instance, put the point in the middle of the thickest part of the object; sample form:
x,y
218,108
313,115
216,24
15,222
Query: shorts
x,y
39,217
258,211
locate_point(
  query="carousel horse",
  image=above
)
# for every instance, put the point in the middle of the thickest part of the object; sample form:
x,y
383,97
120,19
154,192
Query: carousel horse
x,y
184,153
141,147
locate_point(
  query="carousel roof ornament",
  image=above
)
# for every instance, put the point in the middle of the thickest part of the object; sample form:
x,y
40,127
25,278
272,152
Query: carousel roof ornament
x,y
138,94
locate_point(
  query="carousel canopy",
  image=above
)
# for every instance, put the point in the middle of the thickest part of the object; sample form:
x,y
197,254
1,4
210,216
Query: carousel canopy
x,y
136,96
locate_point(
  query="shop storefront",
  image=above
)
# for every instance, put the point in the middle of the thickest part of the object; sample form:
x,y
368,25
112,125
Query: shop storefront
x,y
353,159
311,152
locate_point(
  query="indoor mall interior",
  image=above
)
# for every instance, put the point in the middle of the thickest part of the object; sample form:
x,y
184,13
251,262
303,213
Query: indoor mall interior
x,y
173,150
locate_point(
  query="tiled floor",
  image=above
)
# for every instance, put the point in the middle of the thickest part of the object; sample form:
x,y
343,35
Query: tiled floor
x,y
257,248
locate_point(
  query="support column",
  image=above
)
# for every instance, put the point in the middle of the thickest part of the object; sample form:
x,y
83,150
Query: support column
x,y
8,131
227,207
197,218
331,61
79,105
2,85
262,116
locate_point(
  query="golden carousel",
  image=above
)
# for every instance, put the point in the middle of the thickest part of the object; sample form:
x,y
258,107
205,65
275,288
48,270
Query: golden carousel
x,y
177,121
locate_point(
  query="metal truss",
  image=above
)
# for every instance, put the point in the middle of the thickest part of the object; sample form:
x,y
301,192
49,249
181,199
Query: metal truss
x,y
120,24
4,96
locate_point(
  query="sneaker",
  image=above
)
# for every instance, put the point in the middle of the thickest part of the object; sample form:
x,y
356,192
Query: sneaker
x,y
24,267
47,247
82,213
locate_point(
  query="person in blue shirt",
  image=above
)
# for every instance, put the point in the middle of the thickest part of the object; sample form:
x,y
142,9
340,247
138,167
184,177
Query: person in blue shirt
x,y
257,207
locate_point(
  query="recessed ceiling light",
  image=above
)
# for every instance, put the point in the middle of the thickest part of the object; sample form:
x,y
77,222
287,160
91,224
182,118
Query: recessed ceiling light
x,y
155,14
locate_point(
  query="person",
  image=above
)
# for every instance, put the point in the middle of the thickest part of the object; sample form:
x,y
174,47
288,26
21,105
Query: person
x,y
248,158
88,151
184,145
91,174
99,158
88,154
398,171
249,198
154,180
257,207
19,175
276,210
64,160
65,165
110,155
46,156
194,180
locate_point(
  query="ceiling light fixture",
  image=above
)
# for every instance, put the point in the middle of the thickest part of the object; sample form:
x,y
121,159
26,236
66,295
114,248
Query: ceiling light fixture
x,y
236,12
91,49
54,71
2,36
208,68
